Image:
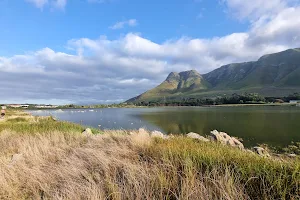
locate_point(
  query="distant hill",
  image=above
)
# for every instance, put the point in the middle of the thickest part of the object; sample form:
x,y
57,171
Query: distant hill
x,y
275,74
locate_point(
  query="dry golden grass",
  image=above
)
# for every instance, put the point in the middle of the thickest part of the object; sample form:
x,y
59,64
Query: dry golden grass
x,y
46,159
119,166
109,166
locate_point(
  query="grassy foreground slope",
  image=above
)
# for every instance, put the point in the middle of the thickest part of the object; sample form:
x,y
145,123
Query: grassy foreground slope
x,y
61,163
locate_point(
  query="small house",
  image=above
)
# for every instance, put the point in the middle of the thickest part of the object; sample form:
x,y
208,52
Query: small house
x,y
294,101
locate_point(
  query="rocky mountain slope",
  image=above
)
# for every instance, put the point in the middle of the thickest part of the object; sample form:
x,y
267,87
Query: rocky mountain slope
x,y
275,74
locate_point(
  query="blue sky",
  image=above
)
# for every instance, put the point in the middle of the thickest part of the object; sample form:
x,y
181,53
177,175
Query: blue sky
x,y
103,51
26,27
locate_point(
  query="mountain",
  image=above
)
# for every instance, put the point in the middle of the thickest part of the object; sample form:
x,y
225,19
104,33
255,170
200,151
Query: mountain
x,y
176,84
275,74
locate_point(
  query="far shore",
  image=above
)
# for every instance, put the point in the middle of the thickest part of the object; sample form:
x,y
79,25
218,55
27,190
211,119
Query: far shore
x,y
265,104
128,106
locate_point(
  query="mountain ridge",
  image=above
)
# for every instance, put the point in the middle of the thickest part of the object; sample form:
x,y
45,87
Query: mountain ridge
x,y
277,73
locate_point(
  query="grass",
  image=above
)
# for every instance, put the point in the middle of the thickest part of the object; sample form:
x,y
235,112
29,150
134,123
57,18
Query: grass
x,y
22,123
261,178
53,160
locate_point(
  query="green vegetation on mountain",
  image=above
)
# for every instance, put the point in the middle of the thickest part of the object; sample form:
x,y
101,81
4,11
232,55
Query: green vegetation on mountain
x,y
273,75
177,84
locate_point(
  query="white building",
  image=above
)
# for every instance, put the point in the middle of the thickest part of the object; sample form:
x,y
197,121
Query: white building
x,y
294,101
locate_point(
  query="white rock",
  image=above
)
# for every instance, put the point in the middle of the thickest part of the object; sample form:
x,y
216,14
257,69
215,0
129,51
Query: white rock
x,y
225,139
87,132
261,151
292,155
158,134
237,143
197,136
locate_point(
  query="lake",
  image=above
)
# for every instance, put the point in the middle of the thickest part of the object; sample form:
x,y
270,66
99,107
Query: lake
x,y
274,125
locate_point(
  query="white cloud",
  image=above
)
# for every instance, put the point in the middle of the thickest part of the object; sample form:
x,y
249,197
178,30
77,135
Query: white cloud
x,y
256,9
120,25
60,4
98,1
38,3
100,70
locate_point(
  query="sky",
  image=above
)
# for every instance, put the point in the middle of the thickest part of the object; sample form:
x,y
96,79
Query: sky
x,y
107,51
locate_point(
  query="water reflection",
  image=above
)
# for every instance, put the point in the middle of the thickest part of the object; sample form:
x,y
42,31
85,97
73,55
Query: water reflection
x,y
272,125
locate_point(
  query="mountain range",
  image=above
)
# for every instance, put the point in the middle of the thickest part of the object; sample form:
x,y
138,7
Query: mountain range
x,y
272,75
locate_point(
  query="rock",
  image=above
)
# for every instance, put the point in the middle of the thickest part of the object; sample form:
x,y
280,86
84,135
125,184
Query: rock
x,y
292,155
261,151
230,142
131,133
197,136
158,134
87,132
225,139
16,158
237,143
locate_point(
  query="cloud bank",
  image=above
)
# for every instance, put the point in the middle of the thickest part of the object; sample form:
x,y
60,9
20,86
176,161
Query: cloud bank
x,y
103,70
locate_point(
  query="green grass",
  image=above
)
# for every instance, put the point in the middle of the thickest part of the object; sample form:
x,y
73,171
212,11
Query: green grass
x,y
20,122
16,120
263,178
117,165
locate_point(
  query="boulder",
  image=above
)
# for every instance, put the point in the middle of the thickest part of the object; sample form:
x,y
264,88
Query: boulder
x,y
87,132
261,151
225,139
158,134
292,155
197,136
237,143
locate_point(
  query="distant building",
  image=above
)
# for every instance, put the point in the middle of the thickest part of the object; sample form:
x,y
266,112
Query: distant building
x,y
15,105
46,106
294,101
18,106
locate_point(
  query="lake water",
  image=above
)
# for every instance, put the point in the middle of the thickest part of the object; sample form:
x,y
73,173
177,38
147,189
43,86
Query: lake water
x,y
254,124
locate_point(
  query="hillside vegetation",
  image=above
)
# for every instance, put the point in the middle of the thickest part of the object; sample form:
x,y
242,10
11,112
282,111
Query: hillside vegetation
x,y
274,75
60,163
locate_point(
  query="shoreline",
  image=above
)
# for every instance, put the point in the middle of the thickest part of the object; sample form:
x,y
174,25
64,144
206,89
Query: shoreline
x,y
44,159
16,116
203,106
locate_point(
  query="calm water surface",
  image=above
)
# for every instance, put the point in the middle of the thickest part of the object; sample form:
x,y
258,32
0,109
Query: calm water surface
x,y
260,124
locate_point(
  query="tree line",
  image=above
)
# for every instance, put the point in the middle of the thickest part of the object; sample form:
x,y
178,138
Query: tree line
x,y
246,98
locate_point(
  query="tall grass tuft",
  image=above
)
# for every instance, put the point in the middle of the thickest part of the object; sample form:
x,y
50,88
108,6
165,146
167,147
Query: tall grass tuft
x,y
42,158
